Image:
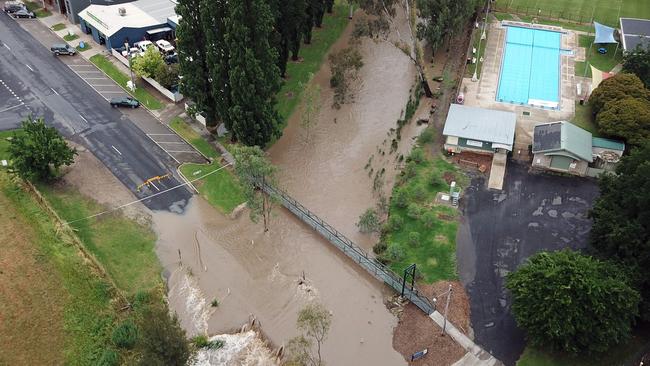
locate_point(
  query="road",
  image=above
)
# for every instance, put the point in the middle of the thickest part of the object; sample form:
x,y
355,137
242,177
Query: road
x,y
33,81
534,212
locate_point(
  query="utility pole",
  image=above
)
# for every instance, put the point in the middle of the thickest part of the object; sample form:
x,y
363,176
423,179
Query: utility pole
x,y
130,56
444,323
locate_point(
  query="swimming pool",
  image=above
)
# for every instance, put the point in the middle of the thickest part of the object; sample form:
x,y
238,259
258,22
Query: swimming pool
x,y
530,70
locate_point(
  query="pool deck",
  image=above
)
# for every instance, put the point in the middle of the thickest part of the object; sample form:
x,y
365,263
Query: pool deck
x,y
482,93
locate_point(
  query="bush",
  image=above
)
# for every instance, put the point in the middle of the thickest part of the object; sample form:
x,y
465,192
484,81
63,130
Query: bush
x,y
429,219
410,170
426,136
369,221
417,155
413,211
400,198
140,299
147,64
626,118
201,341
379,248
436,180
620,86
162,341
109,358
394,253
396,222
419,193
125,335
214,303
414,238
167,76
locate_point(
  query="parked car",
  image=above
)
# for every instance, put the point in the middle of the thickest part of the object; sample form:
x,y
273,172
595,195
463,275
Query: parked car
x,y
13,6
133,51
125,102
171,59
23,13
63,49
164,46
143,45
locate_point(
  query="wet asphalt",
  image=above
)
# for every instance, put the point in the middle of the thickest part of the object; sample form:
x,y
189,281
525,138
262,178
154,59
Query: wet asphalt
x,y
534,212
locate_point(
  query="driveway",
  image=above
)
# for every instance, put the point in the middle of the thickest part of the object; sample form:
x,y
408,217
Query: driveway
x,y
534,212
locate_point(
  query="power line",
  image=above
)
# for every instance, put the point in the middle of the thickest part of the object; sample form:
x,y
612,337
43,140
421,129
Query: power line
x,y
148,197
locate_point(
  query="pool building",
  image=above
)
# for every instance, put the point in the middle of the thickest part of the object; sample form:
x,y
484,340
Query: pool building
x,y
530,68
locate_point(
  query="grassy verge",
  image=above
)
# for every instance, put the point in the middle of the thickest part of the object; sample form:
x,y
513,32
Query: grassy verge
x,y
602,62
419,231
502,16
558,23
70,37
58,26
58,310
582,69
184,130
124,247
479,45
312,56
585,119
220,189
4,143
86,47
119,77
38,10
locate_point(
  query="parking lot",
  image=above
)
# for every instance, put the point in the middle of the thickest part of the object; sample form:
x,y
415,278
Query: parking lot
x,y
534,212
102,84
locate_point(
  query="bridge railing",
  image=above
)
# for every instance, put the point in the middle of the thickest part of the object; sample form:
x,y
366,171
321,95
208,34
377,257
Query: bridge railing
x,y
370,264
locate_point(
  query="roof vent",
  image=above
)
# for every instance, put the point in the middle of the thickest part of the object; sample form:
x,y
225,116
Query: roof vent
x,y
122,11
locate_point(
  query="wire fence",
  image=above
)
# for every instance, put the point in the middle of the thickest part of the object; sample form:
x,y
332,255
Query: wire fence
x,y
610,18
370,264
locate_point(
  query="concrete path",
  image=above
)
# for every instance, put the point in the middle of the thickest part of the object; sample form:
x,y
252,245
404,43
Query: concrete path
x,y
475,354
498,171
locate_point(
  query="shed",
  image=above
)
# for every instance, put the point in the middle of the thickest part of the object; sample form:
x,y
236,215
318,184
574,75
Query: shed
x,y
478,129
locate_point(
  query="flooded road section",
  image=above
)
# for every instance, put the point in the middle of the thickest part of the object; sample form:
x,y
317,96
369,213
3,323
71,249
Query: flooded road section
x,y
324,167
250,272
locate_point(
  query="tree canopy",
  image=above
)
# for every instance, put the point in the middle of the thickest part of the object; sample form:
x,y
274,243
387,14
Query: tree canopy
x,y
626,118
619,86
571,302
638,63
442,18
621,219
148,64
162,341
38,151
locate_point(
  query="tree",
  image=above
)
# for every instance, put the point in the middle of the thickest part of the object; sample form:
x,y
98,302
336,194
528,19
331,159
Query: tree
x,y
318,7
345,65
254,75
626,118
442,18
314,321
193,61
619,86
311,105
289,21
38,151
253,170
571,302
162,341
167,75
369,221
329,6
621,219
638,63
148,64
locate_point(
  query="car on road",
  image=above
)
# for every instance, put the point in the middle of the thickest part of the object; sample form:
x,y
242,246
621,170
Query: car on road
x,y
13,6
63,49
125,102
164,46
23,13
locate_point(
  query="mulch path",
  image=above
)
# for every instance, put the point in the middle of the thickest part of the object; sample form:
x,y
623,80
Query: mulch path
x,y
415,331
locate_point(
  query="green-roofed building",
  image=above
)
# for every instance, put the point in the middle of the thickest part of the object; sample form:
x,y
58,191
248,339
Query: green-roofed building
x,y
564,147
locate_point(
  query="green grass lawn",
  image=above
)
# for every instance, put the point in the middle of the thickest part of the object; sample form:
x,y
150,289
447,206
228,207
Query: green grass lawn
x,y
564,24
58,26
54,297
4,143
582,69
121,78
184,130
585,119
86,47
221,189
435,251
602,62
480,47
37,9
502,16
124,247
69,37
603,11
313,56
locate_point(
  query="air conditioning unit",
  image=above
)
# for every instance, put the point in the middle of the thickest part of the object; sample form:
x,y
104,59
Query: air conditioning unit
x,y
122,11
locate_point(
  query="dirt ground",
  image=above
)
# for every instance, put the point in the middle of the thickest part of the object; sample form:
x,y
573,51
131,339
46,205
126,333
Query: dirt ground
x,y
473,161
31,296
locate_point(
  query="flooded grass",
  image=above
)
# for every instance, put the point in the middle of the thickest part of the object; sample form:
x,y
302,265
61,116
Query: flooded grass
x,y
58,310
184,130
124,247
312,56
221,189
419,231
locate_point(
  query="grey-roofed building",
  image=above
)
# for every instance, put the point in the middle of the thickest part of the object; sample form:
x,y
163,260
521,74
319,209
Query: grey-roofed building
x,y
564,147
478,129
634,32
73,7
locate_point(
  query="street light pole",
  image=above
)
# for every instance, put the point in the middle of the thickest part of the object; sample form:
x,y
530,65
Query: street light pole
x,y
130,56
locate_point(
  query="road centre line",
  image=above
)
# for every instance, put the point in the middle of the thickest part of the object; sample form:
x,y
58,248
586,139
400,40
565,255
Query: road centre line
x,y
82,117
7,47
54,91
32,70
114,148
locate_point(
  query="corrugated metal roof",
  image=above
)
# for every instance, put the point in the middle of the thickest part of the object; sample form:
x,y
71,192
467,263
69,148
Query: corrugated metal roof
x,y
577,141
559,137
160,10
547,137
607,144
480,124
107,18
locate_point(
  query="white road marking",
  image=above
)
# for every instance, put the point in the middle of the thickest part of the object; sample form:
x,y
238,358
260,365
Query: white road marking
x,y
86,81
54,91
172,142
163,149
114,148
82,117
161,134
155,186
32,70
10,108
182,151
7,47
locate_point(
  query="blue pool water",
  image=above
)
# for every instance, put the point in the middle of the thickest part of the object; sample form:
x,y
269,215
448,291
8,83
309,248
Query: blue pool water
x,y
530,71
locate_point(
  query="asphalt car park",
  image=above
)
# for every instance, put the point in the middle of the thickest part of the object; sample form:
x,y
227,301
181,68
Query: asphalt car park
x,y
500,229
102,84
